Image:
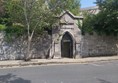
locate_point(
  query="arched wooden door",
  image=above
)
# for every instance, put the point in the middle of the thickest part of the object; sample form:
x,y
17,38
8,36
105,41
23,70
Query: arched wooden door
x,y
67,46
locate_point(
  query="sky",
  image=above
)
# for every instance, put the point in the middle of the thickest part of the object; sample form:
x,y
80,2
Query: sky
x,y
87,3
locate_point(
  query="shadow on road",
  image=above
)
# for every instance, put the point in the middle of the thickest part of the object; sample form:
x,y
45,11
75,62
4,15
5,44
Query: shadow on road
x,y
9,78
103,81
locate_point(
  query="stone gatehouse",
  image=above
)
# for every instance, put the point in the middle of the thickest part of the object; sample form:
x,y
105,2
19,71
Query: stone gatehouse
x,y
66,38
66,41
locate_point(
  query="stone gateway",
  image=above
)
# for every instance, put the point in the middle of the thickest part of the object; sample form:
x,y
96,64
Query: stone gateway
x,y
66,37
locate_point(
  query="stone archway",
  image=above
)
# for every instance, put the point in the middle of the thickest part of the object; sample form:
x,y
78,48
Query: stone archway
x,y
67,45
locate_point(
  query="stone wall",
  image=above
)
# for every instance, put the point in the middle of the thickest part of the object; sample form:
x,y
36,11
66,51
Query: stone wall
x,y
95,45
90,45
17,48
50,46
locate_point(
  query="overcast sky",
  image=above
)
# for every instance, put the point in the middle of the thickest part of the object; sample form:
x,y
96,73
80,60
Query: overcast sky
x,y
87,3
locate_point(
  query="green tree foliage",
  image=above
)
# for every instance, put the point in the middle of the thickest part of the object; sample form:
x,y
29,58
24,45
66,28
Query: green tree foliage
x,y
58,6
4,16
32,14
106,21
2,27
88,25
35,9
42,11
1,8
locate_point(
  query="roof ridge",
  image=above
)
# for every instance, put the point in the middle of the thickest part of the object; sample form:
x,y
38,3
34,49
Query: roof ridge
x,y
88,8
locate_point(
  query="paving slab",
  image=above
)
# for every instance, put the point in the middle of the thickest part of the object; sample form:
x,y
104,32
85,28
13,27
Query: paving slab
x,y
19,63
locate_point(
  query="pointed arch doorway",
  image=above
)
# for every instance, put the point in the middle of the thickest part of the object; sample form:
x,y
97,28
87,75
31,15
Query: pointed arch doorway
x,y
67,46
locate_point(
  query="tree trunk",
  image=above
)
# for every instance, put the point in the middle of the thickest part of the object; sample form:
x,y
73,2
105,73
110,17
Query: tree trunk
x,y
29,53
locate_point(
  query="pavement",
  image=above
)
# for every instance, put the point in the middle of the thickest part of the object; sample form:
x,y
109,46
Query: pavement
x,y
20,63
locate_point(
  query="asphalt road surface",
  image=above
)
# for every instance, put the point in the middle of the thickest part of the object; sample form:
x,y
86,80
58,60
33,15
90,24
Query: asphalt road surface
x,y
106,72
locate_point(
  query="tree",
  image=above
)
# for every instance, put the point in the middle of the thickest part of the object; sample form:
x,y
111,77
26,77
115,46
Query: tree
x,y
1,7
58,6
2,12
106,21
107,17
87,24
36,15
31,14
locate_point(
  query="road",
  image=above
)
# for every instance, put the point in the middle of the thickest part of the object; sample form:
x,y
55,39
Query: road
x,y
106,72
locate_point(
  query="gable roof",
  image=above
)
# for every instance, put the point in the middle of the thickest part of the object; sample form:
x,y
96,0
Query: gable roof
x,y
70,14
